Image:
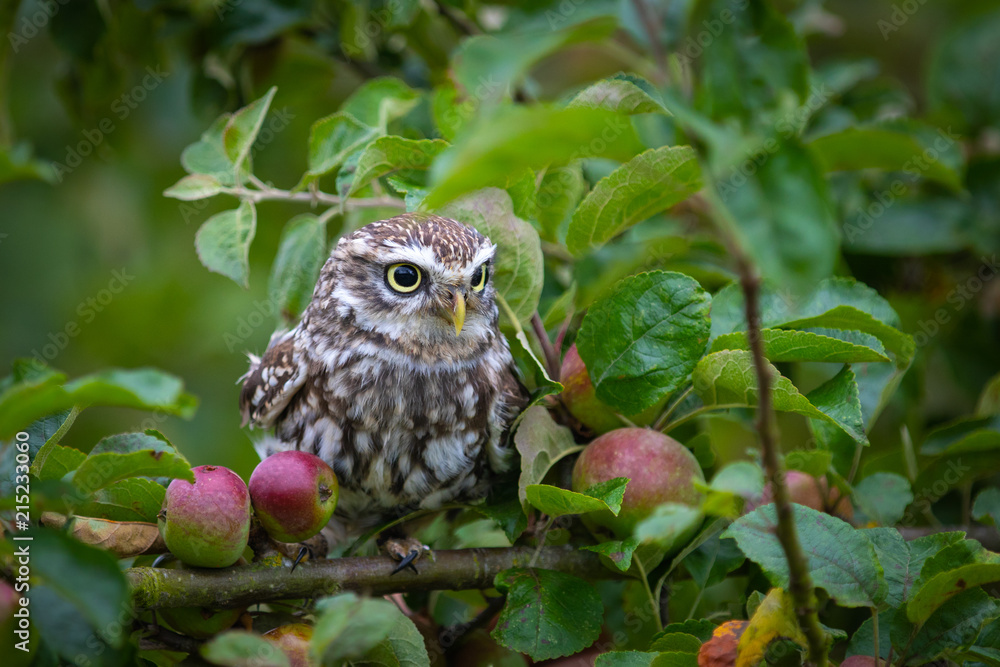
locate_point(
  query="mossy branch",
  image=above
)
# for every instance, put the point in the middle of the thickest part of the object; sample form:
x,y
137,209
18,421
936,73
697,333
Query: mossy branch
x,y
154,588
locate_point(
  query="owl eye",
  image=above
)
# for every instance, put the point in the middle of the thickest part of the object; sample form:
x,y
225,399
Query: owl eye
x,y
479,278
403,278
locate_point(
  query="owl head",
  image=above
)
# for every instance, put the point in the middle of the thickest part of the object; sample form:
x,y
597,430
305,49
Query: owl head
x,y
415,278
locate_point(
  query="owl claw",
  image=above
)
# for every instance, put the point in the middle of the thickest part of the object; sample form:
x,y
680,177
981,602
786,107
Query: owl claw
x,y
406,551
303,552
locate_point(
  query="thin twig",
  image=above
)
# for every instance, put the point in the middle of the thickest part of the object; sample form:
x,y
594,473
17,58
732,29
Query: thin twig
x,y
661,421
552,364
274,194
650,24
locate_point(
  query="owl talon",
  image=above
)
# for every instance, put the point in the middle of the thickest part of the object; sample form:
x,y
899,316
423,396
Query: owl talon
x,y
405,550
407,562
303,552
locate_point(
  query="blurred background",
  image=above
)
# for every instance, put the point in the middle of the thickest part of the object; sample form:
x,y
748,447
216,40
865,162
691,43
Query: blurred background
x,y
99,97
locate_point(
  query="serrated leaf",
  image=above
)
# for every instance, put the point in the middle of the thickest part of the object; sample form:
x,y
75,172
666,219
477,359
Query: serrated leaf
x,y
347,627
782,345
554,501
621,93
332,140
696,627
728,378
208,155
883,497
387,155
742,478
381,100
619,552
642,341
527,137
838,398
59,461
944,582
676,642
548,614
243,126
712,561
239,648
518,265
950,630
648,184
129,455
223,242
301,253
841,559
404,647
625,659
540,442
193,187
131,499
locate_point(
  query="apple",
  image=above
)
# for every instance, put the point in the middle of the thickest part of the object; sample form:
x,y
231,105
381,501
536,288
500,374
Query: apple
x,y
805,489
293,494
207,523
580,398
293,641
198,622
659,468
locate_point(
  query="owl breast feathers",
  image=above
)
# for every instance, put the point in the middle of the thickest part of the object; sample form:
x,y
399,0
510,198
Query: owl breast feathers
x,y
397,374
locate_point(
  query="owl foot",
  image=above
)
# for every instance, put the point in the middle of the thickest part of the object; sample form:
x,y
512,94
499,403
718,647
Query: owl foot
x,y
405,550
303,552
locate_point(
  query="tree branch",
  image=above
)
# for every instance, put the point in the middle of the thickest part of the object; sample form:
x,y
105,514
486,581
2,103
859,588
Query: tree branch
x,y
154,588
275,194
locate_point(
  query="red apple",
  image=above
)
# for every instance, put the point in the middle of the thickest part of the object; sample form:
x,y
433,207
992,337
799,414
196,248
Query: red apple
x,y
805,489
293,641
659,468
581,400
294,494
206,524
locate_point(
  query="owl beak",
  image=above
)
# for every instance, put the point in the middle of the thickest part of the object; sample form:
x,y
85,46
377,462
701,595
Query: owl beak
x,y
454,312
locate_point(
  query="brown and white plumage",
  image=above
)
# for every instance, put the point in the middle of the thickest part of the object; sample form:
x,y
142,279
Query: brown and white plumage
x,y
409,413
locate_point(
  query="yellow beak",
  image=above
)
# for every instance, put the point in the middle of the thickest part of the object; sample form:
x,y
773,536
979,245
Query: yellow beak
x,y
456,312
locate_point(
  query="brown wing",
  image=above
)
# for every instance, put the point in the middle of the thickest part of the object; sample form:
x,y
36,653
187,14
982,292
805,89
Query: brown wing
x,y
272,381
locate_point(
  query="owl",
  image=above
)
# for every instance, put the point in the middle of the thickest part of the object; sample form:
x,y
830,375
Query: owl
x,y
397,374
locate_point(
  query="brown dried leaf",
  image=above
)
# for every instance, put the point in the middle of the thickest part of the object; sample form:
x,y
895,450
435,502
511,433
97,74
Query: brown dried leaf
x,y
122,538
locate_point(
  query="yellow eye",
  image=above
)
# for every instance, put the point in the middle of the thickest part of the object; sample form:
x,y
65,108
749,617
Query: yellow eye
x,y
479,278
403,278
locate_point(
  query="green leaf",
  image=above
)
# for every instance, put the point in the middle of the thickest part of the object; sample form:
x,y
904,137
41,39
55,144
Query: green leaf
x,y
404,647
915,226
863,639
963,70
727,378
540,442
963,435
301,253
558,194
556,502
129,455
883,497
710,563
60,460
669,525
517,268
239,648
785,217
676,642
131,499
895,146
899,566
841,559
348,627
65,631
642,341
223,242
989,398
379,101
527,137
548,614
648,184
86,577
140,388
625,659
987,505
193,187
781,345
486,66
387,155
504,506
838,398
813,462
696,627
619,552
331,141
944,576
951,629
208,156
243,126
622,93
